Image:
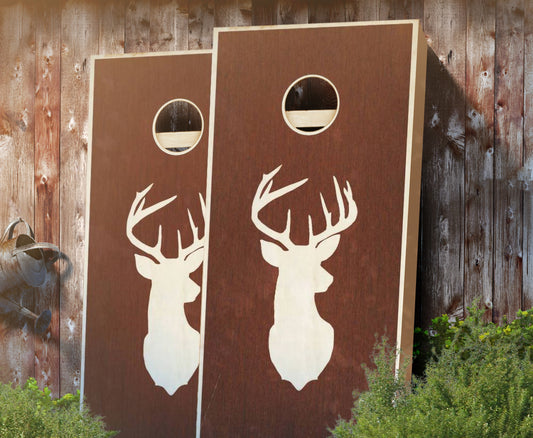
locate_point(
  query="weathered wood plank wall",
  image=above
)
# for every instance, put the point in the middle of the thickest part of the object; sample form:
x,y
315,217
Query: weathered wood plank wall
x,y
479,150
47,141
477,210
17,153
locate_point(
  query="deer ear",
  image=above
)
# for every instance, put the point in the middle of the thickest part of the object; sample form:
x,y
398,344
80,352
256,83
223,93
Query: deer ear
x,y
327,247
144,266
195,259
272,253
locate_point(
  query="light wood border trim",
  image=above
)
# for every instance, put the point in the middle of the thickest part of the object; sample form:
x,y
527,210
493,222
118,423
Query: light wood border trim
x,y
411,206
216,30
181,139
310,118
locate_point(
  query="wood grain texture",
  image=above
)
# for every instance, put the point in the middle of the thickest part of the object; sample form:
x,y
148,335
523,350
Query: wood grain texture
x,y
441,280
263,12
401,9
112,26
362,10
479,153
78,18
16,171
527,171
47,170
137,27
388,9
169,25
231,13
327,11
201,22
292,12
508,156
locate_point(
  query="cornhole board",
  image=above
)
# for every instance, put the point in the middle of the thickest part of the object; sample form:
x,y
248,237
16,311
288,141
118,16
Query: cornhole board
x,y
142,303
290,316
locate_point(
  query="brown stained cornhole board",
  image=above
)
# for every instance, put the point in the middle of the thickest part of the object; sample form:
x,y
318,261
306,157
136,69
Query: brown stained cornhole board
x,y
127,92
285,338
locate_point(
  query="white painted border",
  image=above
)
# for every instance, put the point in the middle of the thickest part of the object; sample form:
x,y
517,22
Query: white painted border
x,y
284,112
408,183
207,228
154,134
93,60
415,23
411,210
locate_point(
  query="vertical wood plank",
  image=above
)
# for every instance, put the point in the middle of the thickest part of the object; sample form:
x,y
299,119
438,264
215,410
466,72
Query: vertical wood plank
x,y
169,25
111,30
79,18
137,27
441,278
17,71
362,10
47,129
230,13
327,12
527,177
292,12
263,12
479,152
417,10
508,157
201,23
401,9
387,9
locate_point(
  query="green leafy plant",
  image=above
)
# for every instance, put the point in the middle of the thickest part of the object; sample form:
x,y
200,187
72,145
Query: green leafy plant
x,y
478,383
30,412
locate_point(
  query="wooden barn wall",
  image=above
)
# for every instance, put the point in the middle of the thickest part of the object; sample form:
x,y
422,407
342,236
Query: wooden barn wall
x,y
476,232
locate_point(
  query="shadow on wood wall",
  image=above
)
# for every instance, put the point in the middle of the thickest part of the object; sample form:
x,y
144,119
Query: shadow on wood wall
x,y
441,204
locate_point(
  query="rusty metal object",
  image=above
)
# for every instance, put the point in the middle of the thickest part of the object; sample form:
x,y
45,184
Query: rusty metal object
x,y
23,263
41,322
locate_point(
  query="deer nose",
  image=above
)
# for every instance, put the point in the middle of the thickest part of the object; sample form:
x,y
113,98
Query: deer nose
x,y
191,291
324,281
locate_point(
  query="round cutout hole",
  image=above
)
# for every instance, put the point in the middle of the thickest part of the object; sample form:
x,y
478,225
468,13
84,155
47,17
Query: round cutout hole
x,y
310,105
178,126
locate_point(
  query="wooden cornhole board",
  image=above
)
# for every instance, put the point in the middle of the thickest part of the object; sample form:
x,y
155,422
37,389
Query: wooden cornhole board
x,y
127,92
259,362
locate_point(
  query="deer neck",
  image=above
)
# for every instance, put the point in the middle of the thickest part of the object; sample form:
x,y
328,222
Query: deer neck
x,y
294,299
165,308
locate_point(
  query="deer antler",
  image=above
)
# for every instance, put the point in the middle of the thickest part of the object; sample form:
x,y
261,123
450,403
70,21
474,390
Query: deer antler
x,y
138,213
196,243
264,196
345,218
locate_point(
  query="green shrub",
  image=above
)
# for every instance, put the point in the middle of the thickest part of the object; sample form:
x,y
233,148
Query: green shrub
x,y
479,383
29,412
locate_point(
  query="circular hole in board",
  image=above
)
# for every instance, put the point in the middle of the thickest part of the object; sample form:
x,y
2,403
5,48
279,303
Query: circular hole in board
x,y
310,104
178,126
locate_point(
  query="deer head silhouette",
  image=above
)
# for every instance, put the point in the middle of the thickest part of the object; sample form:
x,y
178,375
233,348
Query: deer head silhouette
x,y
300,341
171,347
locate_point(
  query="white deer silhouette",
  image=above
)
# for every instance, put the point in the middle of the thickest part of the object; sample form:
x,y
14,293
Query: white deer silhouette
x,y
172,346
300,341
